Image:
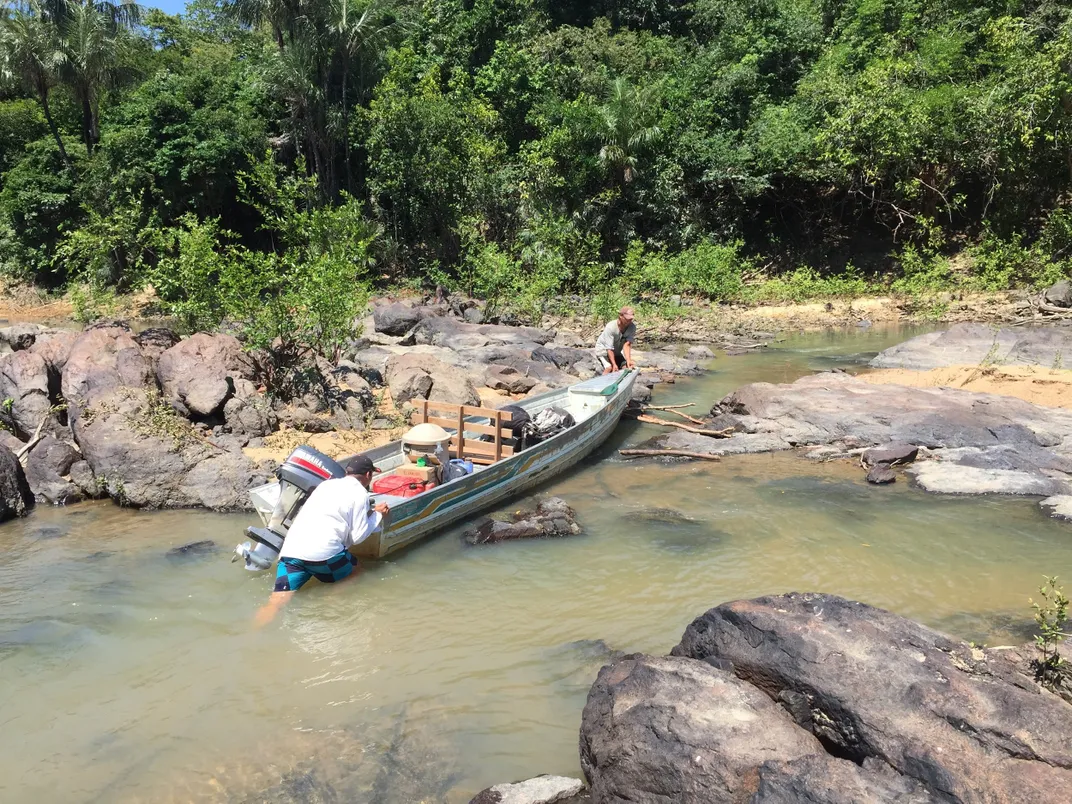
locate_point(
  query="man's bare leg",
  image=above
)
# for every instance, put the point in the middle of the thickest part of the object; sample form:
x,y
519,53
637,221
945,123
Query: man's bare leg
x,y
267,612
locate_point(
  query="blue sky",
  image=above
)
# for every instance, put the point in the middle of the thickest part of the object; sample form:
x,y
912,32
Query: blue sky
x,y
170,6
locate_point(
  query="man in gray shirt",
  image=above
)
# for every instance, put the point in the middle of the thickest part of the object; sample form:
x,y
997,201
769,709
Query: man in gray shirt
x,y
615,345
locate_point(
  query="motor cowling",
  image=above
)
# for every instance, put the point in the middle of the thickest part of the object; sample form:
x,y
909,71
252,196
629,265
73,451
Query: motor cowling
x,y
303,470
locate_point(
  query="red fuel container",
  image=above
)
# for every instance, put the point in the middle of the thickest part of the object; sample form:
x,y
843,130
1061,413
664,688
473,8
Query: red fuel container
x,y
399,486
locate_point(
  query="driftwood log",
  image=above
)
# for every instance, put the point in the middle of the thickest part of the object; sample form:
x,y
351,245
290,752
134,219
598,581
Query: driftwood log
x,y
698,431
666,453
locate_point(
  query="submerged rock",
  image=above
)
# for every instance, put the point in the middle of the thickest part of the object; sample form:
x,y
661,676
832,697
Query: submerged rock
x,y
551,518
193,549
539,790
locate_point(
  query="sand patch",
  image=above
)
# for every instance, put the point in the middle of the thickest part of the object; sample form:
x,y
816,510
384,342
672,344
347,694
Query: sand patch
x,y
1041,386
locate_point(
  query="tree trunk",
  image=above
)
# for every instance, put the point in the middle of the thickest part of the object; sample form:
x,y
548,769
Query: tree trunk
x,y
42,96
87,119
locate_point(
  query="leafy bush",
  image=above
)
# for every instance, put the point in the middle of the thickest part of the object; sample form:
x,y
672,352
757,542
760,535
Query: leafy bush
x,y
999,264
805,284
710,270
922,272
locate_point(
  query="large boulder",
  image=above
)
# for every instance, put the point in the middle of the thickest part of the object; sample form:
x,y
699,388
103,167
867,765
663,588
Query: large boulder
x,y
419,376
668,729
16,499
196,374
1059,294
397,318
871,686
103,360
47,467
155,341
24,381
55,348
459,335
143,454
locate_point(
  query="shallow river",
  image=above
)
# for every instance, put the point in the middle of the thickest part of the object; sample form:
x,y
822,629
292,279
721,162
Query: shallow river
x,y
127,675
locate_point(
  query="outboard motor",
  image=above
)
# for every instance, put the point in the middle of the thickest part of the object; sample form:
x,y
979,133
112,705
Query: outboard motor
x,y
278,504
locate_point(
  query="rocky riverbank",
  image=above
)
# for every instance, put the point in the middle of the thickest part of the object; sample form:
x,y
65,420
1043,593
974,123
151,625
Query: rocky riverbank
x,y
153,420
967,442
814,698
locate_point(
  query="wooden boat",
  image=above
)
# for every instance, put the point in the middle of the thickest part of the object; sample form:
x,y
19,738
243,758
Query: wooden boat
x,y
595,404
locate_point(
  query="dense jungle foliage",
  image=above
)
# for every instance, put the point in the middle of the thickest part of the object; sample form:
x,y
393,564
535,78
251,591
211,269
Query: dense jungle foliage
x,y
256,155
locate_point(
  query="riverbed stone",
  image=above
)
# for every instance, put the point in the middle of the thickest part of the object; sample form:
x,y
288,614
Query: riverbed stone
x,y
699,352
552,518
870,685
16,499
881,474
82,476
47,467
890,454
538,790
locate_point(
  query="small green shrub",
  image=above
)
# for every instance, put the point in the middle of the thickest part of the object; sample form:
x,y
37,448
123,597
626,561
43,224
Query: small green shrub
x,y
922,272
1051,616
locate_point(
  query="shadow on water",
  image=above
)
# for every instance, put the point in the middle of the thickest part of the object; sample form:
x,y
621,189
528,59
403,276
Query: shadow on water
x,y
674,531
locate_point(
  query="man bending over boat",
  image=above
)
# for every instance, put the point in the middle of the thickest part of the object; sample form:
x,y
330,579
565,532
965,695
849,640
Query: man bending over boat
x,y
337,516
615,345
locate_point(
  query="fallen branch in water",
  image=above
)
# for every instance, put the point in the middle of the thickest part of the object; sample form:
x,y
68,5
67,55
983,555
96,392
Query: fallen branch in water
x,y
712,433
666,453
669,407
692,419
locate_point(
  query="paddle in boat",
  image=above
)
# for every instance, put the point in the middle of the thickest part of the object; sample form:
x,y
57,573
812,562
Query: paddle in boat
x,y
484,454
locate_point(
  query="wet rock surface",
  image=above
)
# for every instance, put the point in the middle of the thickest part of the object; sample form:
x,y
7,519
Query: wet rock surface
x,y
974,443
814,698
881,474
552,518
16,499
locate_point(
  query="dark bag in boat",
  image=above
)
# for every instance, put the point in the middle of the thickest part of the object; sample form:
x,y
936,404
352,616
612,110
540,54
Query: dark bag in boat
x,y
519,418
548,422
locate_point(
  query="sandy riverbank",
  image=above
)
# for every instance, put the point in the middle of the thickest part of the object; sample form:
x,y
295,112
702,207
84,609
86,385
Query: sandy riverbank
x,y
1042,386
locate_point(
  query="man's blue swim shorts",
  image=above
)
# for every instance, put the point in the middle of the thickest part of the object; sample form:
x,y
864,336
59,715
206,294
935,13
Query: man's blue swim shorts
x,y
291,574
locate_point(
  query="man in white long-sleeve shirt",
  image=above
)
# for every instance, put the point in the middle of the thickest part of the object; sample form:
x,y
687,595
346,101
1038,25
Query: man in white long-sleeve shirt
x,y
336,517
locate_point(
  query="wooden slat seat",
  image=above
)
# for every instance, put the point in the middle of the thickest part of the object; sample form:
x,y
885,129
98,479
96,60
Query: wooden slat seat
x,y
449,415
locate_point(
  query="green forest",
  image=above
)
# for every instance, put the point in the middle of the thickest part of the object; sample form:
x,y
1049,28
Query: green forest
x,y
533,152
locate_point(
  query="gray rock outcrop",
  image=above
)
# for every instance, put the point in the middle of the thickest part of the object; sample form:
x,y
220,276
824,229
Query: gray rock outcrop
x,y
419,376
972,344
16,499
813,698
872,686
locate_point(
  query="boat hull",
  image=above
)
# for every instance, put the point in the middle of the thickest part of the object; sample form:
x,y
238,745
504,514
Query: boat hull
x,y
446,505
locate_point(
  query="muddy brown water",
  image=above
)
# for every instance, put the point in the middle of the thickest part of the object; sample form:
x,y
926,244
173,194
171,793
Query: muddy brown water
x,y
130,675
